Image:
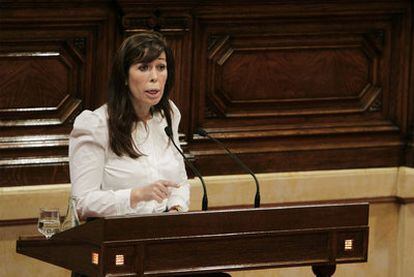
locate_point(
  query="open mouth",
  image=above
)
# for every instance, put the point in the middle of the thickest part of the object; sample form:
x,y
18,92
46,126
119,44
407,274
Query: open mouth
x,y
152,92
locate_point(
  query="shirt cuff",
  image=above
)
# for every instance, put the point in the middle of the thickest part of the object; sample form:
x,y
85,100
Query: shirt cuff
x,y
124,203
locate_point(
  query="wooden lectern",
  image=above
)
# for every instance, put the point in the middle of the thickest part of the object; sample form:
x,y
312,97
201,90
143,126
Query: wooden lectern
x,y
211,241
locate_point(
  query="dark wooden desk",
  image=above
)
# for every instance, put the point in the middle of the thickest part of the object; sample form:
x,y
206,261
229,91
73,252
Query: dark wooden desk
x,y
212,241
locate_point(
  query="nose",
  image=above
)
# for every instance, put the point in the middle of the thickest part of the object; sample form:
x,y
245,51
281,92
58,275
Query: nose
x,y
153,75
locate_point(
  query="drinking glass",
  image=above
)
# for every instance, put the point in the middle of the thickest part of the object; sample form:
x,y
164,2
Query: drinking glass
x,y
49,222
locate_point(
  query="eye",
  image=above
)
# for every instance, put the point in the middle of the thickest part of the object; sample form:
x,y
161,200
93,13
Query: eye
x,y
161,67
143,67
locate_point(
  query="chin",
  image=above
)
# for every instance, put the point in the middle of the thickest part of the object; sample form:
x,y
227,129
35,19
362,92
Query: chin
x,y
154,102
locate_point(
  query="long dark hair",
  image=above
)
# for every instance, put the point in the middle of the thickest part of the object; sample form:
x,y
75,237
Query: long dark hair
x,y
122,118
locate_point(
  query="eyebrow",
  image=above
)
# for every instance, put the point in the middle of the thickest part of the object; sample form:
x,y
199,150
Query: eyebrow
x,y
162,59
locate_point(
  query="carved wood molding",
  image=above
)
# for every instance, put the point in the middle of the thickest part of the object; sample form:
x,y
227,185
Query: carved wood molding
x,y
155,21
48,61
282,87
314,85
281,67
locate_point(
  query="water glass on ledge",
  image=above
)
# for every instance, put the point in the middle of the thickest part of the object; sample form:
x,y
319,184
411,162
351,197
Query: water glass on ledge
x,y
49,222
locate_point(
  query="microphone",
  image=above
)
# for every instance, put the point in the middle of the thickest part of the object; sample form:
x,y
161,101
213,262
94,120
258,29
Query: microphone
x,y
204,205
204,133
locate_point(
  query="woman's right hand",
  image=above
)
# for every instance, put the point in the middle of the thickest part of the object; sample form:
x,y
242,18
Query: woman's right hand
x,y
157,191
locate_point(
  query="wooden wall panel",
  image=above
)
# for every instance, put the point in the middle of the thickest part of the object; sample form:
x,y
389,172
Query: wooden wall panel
x,y
251,76
54,61
39,81
286,74
287,86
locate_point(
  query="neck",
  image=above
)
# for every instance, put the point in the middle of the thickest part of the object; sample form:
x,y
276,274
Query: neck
x,y
143,113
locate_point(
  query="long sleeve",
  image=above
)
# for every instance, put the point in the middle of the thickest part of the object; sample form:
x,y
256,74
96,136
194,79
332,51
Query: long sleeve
x,y
87,154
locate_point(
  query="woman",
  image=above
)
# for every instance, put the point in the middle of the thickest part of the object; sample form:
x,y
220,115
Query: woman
x,y
121,160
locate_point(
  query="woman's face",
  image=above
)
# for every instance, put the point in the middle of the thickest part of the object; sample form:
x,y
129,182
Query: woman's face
x,y
146,82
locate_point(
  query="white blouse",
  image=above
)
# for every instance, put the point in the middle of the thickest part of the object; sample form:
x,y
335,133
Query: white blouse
x,y
102,181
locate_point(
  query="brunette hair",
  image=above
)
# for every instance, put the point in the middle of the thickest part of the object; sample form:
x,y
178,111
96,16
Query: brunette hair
x,y
144,47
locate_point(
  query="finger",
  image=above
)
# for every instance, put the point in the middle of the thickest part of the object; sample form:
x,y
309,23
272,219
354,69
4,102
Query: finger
x,y
160,193
169,184
157,197
163,189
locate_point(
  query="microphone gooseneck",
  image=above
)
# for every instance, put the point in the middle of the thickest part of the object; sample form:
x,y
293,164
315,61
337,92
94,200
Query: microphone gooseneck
x,y
204,204
204,133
